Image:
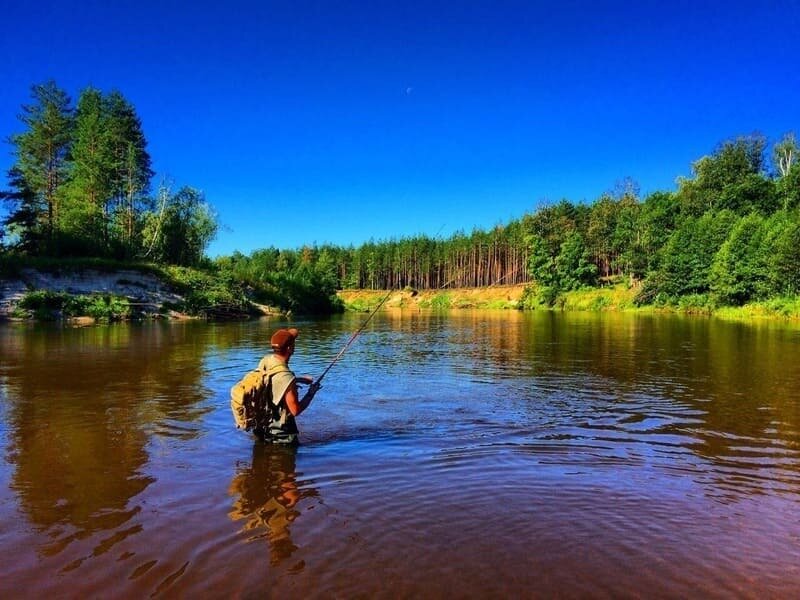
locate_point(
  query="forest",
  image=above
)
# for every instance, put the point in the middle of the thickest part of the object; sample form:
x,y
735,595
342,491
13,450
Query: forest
x,y
729,234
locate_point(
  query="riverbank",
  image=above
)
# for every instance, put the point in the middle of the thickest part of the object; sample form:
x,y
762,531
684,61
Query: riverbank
x,y
83,295
494,297
86,295
618,297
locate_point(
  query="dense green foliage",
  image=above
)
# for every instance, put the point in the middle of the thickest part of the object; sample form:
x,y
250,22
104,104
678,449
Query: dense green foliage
x,y
46,306
80,181
728,235
300,281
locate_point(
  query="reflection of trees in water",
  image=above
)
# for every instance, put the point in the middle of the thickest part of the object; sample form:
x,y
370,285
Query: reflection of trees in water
x,y
728,390
751,428
80,405
469,341
733,377
723,387
266,494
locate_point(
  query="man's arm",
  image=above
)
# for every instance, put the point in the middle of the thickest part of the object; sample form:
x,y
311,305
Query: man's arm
x,y
294,404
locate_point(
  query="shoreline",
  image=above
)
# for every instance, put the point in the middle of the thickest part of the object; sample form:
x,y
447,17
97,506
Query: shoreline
x,y
142,295
615,298
495,297
150,297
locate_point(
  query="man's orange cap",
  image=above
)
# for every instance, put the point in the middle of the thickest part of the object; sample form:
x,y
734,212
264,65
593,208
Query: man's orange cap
x,y
282,338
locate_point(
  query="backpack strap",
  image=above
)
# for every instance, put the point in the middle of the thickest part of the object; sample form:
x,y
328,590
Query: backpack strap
x,y
269,374
275,369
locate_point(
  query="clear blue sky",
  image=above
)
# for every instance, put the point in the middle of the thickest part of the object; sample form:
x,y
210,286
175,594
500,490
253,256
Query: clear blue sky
x,y
338,122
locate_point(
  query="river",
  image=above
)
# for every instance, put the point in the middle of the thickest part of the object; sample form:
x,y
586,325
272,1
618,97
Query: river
x,y
468,454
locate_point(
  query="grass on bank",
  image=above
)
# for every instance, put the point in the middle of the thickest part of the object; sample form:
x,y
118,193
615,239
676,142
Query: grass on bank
x,y
13,265
616,295
497,297
620,296
783,307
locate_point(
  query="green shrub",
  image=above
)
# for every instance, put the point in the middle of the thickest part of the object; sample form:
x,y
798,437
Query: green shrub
x,y
542,296
48,306
97,306
787,306
204,291
359,305
441,301
43,299
696,304
500,304
599,303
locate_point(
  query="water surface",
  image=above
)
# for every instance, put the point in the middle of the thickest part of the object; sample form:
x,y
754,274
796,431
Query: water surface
x,y
464,454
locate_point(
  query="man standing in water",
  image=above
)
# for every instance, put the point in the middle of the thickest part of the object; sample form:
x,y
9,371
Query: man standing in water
x,y
284,401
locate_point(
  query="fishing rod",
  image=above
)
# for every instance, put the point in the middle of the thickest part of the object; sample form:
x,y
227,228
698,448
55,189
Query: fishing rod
x,y
351,340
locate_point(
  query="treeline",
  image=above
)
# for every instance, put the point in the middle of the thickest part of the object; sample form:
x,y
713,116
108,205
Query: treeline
x,y
303,281
729,234
80,186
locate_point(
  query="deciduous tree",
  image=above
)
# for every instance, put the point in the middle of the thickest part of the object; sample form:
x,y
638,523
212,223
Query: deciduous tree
x,y
785,154
737,273
181,229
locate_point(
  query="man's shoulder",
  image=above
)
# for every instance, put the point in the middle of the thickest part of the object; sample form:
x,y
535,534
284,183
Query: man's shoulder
x,y
270,361
279,368
266,362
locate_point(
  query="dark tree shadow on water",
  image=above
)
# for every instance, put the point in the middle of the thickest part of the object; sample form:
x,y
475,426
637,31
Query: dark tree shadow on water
x,y
83,406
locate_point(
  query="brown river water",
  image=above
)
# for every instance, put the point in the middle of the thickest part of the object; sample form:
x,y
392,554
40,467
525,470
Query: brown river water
x,y
460,455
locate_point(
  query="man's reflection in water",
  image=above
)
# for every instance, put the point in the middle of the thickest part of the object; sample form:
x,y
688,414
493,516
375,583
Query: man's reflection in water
x,y
267,497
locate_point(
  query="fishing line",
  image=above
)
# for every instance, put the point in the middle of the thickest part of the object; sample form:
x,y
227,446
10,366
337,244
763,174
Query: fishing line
x,y
352,338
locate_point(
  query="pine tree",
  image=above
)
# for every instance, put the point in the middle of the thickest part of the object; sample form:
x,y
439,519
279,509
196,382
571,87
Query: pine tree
x,y
86,210
41,154
23,231
131,169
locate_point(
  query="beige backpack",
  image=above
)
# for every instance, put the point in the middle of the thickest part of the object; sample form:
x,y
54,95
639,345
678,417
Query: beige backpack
x,y
250,397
